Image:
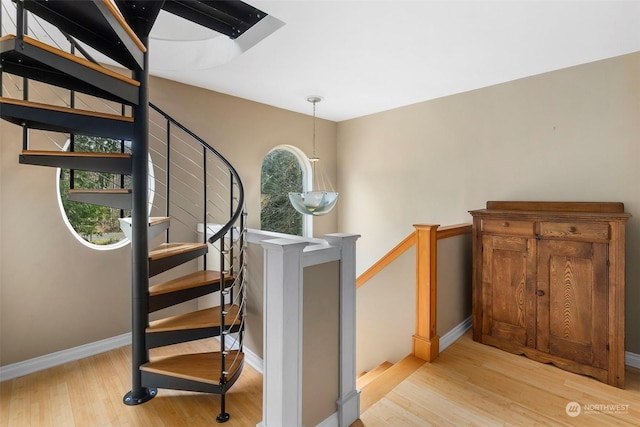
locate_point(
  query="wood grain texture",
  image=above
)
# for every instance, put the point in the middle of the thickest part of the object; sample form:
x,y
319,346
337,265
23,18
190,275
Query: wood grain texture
x,y
171,249
599,207
573,293
471,384
191,280
116,14
205,318
49,107
387,259
76,59
88,392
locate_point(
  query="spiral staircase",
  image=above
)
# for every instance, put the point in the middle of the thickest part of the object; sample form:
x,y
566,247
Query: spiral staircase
x,y
119,29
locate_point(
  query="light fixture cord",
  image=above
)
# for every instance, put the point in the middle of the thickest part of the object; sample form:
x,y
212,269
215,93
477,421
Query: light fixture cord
x,y
315,159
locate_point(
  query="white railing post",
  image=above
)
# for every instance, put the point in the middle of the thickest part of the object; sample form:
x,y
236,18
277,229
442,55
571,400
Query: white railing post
x,y
282,329
349,397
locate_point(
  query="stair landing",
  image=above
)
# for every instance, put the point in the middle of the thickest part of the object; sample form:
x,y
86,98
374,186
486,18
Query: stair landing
x,y
388,380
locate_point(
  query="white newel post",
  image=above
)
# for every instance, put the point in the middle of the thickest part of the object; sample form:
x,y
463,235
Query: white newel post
x,y
349,397
282,388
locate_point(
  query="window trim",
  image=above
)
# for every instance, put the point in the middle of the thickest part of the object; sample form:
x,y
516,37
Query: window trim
x,y
307,180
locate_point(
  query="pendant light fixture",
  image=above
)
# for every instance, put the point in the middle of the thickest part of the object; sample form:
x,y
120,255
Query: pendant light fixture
x,y
318,201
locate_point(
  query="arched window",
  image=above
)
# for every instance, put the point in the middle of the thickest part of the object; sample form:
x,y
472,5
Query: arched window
x,y
284,169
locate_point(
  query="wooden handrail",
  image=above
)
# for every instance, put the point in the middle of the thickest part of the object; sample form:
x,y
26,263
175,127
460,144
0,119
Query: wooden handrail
x,y
394,253
442,233
453,230
425,341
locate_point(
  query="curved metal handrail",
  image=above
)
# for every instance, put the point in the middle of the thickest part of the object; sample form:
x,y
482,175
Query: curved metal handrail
x,y
234,217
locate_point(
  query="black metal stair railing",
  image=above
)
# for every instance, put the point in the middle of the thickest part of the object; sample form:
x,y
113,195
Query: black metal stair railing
x,y
201,192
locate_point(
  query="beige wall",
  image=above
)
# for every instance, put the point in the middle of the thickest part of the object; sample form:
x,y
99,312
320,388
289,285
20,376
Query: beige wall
x,y
385,305
57,293
568,135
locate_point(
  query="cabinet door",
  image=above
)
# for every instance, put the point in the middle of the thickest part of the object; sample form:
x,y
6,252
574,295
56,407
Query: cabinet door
x,y
508,306
572,301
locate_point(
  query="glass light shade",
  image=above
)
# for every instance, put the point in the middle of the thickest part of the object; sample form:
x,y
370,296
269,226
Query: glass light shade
x,y
314,202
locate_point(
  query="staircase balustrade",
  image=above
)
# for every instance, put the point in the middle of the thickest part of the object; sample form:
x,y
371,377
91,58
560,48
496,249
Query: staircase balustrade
x,y
187,159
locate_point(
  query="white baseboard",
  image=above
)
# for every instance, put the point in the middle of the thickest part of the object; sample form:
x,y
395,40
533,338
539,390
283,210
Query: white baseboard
x,y
632,359
454,334
331,421
36,364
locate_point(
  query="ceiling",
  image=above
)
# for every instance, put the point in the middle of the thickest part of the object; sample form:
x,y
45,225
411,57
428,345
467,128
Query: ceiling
x,y
365,56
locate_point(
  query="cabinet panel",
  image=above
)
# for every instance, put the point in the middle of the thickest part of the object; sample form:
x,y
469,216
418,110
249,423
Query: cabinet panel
x,y
549,283
573,310
507,313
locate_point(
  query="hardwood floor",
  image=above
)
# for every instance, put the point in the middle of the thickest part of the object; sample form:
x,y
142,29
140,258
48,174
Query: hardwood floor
x,y
88,392
470,384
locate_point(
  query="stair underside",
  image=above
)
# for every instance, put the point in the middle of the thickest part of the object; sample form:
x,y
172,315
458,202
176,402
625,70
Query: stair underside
x,y
47,117
118,198
117,163
195,372
98,24
185,288
170,255
157,225
227,17
35,60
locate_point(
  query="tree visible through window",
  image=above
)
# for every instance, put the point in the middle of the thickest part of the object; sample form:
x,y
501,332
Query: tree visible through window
x,y
281,174
95,224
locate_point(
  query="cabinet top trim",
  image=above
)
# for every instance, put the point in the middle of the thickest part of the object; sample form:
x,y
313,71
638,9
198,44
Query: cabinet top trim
x,y
596,207
605,211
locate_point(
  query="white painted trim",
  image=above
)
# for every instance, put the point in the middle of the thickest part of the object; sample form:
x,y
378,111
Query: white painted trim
x,y
61,357
36,364
454,334
632,359
330,421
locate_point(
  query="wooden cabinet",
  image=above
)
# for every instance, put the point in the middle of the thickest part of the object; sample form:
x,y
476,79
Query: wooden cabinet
x,y
548,282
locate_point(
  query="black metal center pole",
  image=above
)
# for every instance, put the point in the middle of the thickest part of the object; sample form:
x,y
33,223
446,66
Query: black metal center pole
x,y
139,240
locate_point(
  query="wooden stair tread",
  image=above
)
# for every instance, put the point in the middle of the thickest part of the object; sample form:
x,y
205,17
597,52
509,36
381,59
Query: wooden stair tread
x,y
202,367
193,280
170,249
55,153
49,107
76,59
206,318
116,13
98,23
366,377
388,380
